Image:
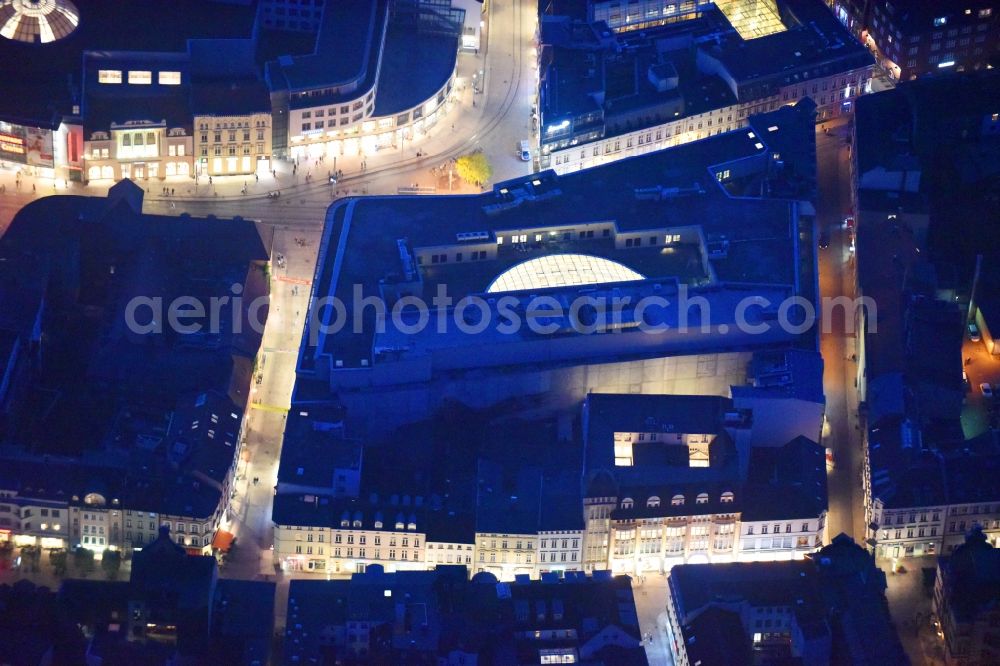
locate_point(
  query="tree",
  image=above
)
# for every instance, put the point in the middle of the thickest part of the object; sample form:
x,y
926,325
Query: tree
x,y
58,560
111,562
83,558
474,168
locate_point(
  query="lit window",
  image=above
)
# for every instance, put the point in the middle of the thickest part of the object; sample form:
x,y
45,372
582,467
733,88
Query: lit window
x,y
169,78
109,76
140,77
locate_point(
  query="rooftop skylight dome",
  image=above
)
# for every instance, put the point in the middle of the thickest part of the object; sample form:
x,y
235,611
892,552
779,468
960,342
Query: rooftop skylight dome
x,y
562,270
37,21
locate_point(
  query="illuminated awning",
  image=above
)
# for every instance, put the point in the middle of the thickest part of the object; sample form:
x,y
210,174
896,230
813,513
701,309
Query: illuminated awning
x,y
193,551
222,541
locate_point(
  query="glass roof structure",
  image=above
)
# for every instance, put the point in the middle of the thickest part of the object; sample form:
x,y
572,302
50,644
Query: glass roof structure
x,y
752,18
37,21
561,270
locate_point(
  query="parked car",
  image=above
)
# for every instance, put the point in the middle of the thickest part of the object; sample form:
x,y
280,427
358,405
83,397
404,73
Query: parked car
x,y
986,389
849,222
824,240
273,194
524,151
974,332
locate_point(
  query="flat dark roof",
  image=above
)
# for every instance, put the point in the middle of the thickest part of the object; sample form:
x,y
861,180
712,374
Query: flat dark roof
x,y
414,67
347,48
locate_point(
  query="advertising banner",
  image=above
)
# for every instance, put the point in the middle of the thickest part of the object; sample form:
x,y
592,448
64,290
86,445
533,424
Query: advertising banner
x,y
26,145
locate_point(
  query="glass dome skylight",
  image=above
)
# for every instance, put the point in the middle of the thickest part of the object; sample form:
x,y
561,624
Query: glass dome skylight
x,y
37,21
561,270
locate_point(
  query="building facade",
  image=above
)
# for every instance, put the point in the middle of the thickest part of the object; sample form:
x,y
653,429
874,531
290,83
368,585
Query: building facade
x,y
342,536
702,73
232,144
507,555
912,39
560,550
966,591
356,93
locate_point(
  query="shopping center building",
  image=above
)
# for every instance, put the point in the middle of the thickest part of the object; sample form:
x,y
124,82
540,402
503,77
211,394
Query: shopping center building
x,y
671,224
379,75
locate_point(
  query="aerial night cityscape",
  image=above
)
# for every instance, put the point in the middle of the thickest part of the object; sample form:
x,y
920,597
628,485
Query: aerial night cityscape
x,y
499,332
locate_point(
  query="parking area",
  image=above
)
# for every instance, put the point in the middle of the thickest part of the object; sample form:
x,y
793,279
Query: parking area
x,y
980,410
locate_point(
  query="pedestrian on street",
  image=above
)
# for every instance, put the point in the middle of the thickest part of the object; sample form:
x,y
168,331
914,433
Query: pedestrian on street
x,y
171,191
256,178
209,180
32,188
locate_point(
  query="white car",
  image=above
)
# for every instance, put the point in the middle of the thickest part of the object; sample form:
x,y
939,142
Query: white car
x,y
524,151
986,389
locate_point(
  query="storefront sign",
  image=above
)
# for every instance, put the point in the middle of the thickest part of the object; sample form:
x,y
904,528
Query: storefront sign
x,y
26,145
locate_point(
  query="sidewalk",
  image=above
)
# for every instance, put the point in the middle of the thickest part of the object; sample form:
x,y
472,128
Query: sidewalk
x,y
911,607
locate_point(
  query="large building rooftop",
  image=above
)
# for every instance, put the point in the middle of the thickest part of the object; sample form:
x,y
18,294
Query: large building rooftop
x,y
664,216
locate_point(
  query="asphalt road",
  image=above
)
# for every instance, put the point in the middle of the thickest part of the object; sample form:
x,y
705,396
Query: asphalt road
x,y
837,342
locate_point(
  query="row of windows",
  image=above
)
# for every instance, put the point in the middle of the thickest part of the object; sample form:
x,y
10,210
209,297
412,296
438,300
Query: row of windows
x,y
555,543
27,513
503,558
504,544
777,528
217,137
240,124
475,255
332,111
139,77
319,124
678,500
562,557
362,553
231,152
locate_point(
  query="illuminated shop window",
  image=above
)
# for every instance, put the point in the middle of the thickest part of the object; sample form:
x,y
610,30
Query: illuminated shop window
x,y
109,76
168,78
140,77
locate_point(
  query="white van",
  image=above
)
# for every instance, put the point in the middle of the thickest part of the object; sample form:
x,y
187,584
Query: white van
x,y
525,151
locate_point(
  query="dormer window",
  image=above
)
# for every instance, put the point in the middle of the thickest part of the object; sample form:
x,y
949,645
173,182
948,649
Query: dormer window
x,y
378,524
702,498
677,500
357,523
653,502
727,497
627,503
